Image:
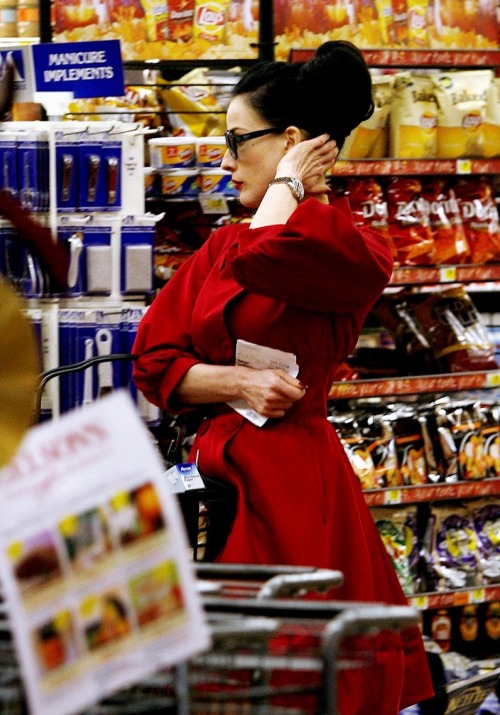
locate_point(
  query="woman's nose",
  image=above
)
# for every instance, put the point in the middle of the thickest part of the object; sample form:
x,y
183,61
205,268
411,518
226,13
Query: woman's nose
x,y
227,162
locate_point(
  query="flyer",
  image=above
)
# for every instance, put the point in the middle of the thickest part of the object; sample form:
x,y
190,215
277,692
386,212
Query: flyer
x,y
94,559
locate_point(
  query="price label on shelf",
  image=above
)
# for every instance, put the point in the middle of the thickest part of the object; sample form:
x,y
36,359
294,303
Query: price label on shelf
x,y
421,602
493,379
393,496
447,274
478,595
464,166
213,204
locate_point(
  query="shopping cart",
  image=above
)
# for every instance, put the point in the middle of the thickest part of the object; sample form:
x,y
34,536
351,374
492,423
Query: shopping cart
x,y
267,658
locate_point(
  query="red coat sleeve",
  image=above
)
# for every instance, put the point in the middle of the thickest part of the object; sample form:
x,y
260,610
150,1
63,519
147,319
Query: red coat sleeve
x,y
163,343
319,260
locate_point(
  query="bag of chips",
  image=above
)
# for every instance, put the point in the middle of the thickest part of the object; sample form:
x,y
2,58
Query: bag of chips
x,y
409,225
450,241
479,217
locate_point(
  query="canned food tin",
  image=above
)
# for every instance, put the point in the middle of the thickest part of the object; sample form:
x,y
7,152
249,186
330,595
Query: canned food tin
x,y
209,151
180,183
172,152
217,181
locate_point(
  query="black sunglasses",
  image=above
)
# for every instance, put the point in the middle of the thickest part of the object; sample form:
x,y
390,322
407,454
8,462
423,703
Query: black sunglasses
x,y
232,139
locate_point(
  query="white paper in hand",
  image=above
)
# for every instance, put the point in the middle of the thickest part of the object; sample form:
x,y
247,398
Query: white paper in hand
x,y
260,357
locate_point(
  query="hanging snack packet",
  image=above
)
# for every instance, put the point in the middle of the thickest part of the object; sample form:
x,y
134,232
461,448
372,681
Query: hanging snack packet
x,y
450,546
486,518
398,530
356,450
378,432
409,225
454,328
491,128
461,100
480,218
193,102
490,432
464,423
369,137
413,118
444,448
410,446
369,205
450,241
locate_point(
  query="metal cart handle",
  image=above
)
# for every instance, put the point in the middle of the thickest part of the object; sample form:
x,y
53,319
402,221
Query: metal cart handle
x,y
361,620
294,584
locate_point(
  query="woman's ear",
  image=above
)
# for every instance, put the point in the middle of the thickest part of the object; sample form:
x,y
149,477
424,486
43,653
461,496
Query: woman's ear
x,y
293,135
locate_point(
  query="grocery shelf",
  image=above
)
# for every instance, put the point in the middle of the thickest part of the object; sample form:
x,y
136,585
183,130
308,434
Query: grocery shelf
x,y
414,385
431,492
461,597
415,167
398,57
412,275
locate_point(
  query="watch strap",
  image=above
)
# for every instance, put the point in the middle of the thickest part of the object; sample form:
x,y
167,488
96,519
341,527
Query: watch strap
x,y
295,185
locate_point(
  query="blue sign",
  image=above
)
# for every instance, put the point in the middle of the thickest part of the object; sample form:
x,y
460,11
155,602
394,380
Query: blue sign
x,y
88,69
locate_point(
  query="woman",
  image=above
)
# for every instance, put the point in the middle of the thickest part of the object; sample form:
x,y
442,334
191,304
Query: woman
x,y
300,278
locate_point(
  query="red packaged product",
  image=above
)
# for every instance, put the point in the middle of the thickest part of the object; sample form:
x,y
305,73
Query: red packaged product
x,y
409,225
450,242
369,206
480,218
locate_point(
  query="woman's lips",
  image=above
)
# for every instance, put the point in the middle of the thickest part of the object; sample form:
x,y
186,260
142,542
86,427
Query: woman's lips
x,y
237,185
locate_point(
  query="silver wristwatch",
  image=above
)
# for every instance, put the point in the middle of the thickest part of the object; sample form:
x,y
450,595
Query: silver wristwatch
x,y
295,185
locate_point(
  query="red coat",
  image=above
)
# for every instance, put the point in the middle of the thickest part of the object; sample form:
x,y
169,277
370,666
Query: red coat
x,y
306,288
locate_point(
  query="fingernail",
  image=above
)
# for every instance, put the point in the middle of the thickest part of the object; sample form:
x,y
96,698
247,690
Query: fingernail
x,y
303,387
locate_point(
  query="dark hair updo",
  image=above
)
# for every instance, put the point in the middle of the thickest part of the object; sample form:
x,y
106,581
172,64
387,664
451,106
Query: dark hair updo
x,y
330,93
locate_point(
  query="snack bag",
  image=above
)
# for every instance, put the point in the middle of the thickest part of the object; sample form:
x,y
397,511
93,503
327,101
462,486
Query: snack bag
x,y
194,102
413,118
409,225
486,518
378,432
490,432
450,241
450,547
491,127
369,205
455,330
461,100
356,450
398,530
480,218
370,136
410,446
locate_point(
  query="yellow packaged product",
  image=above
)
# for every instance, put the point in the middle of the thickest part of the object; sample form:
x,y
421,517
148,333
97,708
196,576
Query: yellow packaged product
x,y
413,118
418,26
194,103
370,136
386,21
491,127
461,100
210,18
156,16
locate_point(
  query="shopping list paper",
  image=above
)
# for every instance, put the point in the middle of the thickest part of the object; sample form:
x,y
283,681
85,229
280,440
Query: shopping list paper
x,y
261,357
93,559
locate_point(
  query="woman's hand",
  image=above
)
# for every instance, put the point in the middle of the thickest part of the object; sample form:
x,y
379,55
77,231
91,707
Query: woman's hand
x,y
309,160
270,392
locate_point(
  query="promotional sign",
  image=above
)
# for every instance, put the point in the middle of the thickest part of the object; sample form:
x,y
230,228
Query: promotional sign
x,y
93,559
163,29
87,69
229,29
